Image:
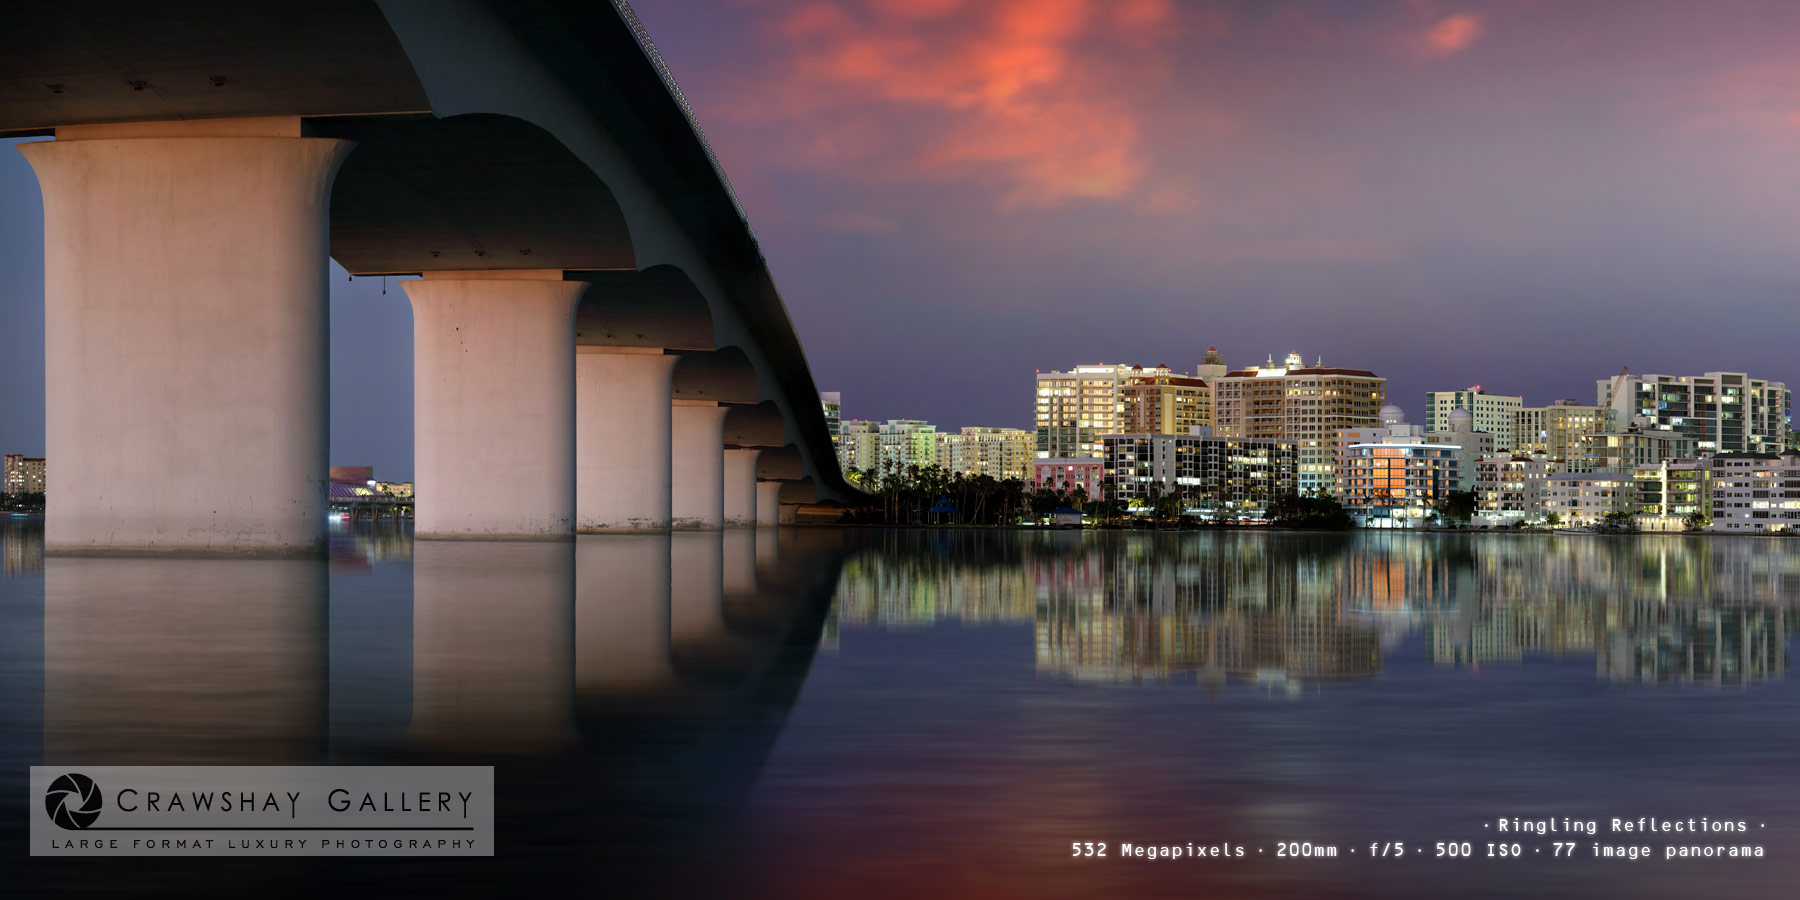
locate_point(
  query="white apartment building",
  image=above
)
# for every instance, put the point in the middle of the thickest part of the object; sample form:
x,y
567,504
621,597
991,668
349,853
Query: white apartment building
x,y
1074,408
1584,498
999,453
1511,488
1218,477
1724,412
1492,413
891,446
1756,493
1561,429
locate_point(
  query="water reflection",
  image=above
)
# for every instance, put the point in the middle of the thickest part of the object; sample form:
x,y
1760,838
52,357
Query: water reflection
x,y
1282,608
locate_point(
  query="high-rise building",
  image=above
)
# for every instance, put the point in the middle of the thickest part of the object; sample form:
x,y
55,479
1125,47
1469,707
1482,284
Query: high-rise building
x,y
1220,477
1671,490
1303,405
1724,412
1638,444
1559,430
893,446
1492,413
1074,408
999,453
1510,488
833,404
22,475
1164,404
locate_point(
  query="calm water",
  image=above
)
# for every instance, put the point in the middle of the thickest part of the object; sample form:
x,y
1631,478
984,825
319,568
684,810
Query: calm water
x,y
822,713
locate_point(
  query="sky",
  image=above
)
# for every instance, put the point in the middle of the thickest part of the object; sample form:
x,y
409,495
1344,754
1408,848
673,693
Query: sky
x,y
952,194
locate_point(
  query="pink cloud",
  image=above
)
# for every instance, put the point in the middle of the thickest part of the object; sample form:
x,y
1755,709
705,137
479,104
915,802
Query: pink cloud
x,y
1451,35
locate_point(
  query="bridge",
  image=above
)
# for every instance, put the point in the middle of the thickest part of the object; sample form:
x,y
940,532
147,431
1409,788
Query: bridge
x,y
593,319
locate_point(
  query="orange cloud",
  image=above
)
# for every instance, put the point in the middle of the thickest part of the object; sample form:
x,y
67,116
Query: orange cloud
x,y
1451,35
1042,97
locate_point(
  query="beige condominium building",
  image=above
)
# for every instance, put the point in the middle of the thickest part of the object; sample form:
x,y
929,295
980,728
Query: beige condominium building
x,y
1492,413
891,446
1724,412
1164,404
22,475
1074,408
1299,404
1560,430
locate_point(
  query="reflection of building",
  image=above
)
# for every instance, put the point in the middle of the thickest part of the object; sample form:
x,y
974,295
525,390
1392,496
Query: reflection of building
x,y
999,453
1300,405
1074,408
21,548
1723,412
1227,477
22,475
1756,492
1078,473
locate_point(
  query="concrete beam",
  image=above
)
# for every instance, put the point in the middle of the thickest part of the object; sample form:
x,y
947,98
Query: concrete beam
x,y
494,404
185,309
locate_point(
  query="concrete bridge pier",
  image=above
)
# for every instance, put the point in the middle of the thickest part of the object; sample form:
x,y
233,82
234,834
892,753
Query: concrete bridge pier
x,y
185,309
697,461
740,487
494,404
623,411
768,504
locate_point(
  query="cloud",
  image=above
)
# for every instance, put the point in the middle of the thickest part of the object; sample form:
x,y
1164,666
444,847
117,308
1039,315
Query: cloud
x,y
1038,101
1451,35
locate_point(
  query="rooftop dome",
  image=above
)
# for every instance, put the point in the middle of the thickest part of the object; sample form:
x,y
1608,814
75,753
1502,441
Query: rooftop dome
x,y
1392,415
1460,416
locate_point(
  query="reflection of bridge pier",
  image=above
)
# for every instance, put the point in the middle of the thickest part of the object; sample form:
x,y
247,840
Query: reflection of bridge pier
x,y
622,617
184,661
493,645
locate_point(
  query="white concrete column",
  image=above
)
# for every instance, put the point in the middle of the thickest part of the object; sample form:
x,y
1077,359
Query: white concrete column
x,y
739,484
185,309
768,503
494,404
622,414
697,465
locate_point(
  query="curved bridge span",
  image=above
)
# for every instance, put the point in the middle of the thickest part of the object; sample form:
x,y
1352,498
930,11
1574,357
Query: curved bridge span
x,y
593,318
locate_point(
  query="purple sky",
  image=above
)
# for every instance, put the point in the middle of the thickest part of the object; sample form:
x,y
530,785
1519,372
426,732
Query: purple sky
x,y
954,193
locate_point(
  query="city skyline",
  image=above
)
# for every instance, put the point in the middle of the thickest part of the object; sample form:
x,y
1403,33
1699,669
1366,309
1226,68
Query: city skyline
x,y
1432,191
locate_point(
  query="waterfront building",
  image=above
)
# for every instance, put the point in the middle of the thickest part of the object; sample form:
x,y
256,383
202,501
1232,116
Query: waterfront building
x,y
1301,405
999,453
1472,444
1217,477
1671,490
1212,366
1164,404
832,403
1639,444
22,474
1509,488
1065,474
1395,479
1074,408
1724,412
1560,429
1755,493
1584,498
1492,413
1459,432
895,445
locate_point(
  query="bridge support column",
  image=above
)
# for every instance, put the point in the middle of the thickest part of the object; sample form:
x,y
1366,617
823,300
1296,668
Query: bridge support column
x,y
622,416
185,308
740,487
494,404
768,503
697,465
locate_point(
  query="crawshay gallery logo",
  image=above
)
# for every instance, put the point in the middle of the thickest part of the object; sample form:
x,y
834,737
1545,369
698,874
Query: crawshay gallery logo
x,y
73,801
